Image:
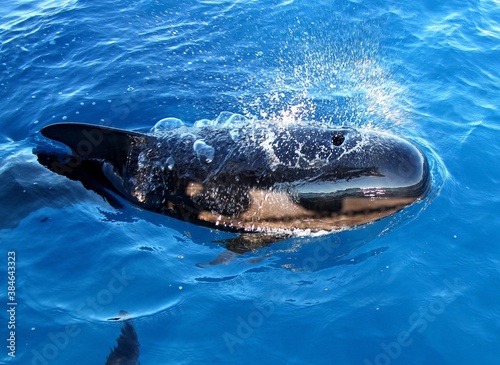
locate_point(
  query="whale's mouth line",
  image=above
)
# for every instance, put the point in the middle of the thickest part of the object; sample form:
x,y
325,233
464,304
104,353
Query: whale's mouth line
x,y
277,210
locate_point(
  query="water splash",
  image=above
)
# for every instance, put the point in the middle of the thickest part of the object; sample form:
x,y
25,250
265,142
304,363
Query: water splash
x,y
336,77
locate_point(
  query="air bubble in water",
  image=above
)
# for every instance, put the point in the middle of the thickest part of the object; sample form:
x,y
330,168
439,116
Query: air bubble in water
x,y
167,124
236,119
188,138
223,118
234,134
203,123
204,152
170,163
227,118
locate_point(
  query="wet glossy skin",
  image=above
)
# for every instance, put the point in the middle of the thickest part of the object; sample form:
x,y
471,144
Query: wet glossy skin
x,y
255,178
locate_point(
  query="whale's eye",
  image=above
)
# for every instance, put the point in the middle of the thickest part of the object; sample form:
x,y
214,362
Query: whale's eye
x,y
338,138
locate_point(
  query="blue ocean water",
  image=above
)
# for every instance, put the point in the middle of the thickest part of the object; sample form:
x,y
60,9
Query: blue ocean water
x,y
417,288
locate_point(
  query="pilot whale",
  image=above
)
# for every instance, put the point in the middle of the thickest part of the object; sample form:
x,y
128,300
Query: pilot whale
x,y
248,177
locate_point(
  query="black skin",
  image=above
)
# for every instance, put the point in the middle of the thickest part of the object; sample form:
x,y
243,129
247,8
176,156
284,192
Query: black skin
x,y
248,163
136,166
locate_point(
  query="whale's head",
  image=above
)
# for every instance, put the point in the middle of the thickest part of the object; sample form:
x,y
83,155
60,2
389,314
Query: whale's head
x,y
345,177
258,178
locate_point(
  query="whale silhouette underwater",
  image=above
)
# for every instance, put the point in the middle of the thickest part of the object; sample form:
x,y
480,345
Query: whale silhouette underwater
x,y
263,181
126,351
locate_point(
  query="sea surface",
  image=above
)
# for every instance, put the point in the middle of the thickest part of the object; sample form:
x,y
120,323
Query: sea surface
x,y
421,287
